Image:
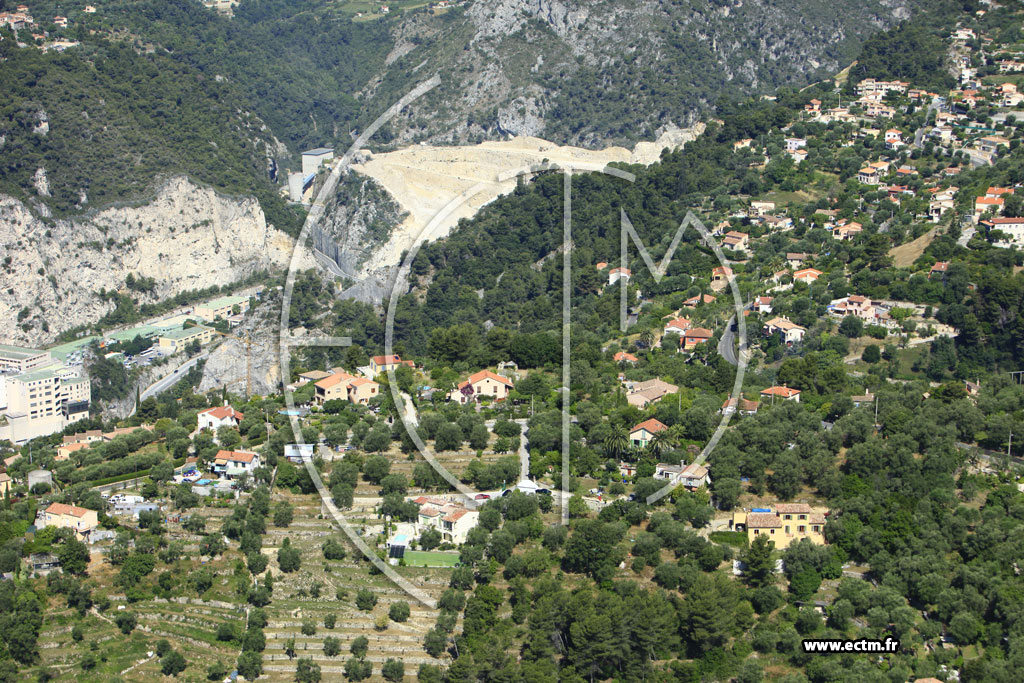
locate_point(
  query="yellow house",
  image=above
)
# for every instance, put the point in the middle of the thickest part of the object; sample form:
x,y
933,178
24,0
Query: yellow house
x,y
643,433
62,516
788,523
481,384
361,390
64,452
345,387
379,364
5,483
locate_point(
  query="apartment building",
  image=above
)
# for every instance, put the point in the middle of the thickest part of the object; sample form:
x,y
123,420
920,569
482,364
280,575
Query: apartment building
x,y
20,359
41,401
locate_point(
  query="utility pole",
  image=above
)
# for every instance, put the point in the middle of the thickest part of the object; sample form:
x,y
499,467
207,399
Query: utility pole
x,y
1009,445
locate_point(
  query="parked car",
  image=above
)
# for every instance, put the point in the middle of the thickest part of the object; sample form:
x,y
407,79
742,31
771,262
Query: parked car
x,y
481,496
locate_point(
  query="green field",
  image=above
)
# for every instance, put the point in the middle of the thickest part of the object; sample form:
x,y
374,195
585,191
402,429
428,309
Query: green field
x,y
419,558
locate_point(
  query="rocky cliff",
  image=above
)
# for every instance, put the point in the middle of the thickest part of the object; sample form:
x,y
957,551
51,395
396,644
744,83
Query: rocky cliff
x,y
595,73
186,237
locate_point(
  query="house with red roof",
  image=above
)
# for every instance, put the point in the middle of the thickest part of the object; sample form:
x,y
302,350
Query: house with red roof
x,y
623,357
221,416
232,464
483,384
379,364
677,326
783,393
692,476
695,336
453,520
643,433
807,275
616,274
81,520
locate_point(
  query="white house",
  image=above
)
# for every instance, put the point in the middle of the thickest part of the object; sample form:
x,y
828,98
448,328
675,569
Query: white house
x,y
616,274
692,476
452,519
232,464
221,416
787,330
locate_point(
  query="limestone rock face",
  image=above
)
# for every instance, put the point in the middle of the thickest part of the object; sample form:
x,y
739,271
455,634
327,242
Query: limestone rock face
x,y
186,237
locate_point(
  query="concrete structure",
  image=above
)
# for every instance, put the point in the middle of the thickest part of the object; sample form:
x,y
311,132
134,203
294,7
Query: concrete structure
x,y
176,340
18,359
41,401
313,159
81,520
483,384
222,307
39,477
295,187
221,416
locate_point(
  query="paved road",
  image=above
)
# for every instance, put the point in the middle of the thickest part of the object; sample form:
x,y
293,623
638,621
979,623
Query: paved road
x,y
170,380
524,453
989,455
966,236
726,345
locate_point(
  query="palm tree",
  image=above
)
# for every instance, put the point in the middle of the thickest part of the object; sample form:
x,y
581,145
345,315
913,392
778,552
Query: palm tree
x,y
616,444
663,441
647,338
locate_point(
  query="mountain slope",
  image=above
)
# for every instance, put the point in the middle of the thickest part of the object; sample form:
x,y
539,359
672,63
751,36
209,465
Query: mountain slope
x,y
598,72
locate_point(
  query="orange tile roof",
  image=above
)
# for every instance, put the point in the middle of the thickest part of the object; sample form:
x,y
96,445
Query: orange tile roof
x,y
651,425
763,520
235,456
222,412
784,392
487,374
62,509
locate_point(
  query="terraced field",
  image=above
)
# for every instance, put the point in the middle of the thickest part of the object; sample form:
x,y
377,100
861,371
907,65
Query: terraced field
x,y
294,604
190,624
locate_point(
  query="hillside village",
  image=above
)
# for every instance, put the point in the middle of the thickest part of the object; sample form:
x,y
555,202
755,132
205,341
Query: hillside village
x,y
866,482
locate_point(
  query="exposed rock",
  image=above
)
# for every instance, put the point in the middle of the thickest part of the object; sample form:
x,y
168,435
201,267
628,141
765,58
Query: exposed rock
x,y
186,238
41,183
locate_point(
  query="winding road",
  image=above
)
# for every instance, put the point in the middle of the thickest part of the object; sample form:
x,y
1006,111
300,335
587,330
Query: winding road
x,y
167,381
726,345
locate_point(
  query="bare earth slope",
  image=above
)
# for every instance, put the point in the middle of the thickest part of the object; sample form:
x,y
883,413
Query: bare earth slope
x,y
425,180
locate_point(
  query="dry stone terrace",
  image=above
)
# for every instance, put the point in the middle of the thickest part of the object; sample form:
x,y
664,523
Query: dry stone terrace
x,y
290,608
